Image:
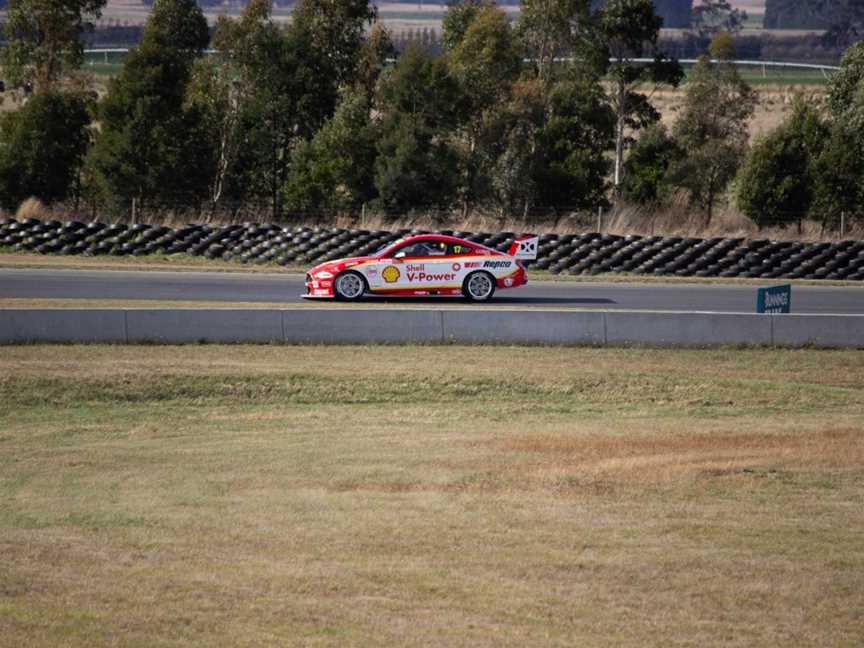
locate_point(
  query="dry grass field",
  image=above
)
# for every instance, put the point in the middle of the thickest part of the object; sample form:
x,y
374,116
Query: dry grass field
x,y
430,496
774,103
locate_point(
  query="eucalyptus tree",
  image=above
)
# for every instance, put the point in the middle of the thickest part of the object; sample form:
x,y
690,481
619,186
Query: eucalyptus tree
x,y
337,31
712,130
776,183
628,30
372,58
420,105
485,62
43,143
152,146
42,148
846,87
813,163
223,88
336,169
270,88
839,170
458,17
647,166
559,29
44,39
573,145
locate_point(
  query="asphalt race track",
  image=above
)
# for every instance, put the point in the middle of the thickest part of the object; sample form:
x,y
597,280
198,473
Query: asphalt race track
x,y
285,289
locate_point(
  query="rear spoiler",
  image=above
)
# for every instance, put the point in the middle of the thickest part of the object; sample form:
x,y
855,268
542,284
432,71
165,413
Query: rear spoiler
x,y
524,248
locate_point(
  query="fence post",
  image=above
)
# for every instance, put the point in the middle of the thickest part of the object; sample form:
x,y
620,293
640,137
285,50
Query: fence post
x,y
842,224
133,210
600,220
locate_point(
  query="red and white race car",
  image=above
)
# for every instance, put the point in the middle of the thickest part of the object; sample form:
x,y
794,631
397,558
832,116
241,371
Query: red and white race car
x,y
425,264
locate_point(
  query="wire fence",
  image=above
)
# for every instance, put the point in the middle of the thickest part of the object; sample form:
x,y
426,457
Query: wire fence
x,y
674,219
114,56
192,209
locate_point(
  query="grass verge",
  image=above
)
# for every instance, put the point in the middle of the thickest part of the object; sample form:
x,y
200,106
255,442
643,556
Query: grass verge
x,y
156,262
419,496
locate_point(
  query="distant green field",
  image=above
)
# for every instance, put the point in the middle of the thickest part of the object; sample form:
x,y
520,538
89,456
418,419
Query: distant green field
x,y
102,69
783,76
104,63
104,58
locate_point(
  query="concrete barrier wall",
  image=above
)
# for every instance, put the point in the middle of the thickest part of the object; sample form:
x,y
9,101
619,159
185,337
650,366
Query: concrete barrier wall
x,y
192,325
686,329
462,326
379,326
818,330
523,327
67,325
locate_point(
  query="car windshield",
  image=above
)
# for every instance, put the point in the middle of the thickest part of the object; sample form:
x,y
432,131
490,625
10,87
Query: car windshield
x,y
386,247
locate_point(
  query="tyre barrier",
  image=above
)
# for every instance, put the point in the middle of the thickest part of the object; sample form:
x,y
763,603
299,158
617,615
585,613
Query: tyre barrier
x,y
576,254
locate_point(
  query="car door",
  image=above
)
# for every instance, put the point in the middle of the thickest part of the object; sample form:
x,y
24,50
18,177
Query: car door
x,y
419,266
377,276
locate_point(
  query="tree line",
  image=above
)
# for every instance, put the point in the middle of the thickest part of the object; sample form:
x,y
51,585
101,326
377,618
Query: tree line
x,y
310,117
316,116
810,167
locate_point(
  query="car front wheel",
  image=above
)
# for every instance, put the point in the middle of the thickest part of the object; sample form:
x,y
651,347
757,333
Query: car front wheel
x,y
349,286
479,286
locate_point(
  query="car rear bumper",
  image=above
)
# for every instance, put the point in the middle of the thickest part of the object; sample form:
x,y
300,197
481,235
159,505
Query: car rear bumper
x,y
514,280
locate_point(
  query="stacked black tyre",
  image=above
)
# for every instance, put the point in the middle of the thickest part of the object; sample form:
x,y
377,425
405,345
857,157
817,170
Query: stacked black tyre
x,y
576,254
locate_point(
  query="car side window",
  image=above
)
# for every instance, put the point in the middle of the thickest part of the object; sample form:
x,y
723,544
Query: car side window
x,y
437,248
422,249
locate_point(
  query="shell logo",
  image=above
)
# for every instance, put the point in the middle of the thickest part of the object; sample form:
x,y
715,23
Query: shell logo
x,y
391,274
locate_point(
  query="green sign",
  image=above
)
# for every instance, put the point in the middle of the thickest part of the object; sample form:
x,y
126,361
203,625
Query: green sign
x,y
776,299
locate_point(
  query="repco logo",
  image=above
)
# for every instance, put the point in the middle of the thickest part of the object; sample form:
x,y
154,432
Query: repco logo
x,y
496,264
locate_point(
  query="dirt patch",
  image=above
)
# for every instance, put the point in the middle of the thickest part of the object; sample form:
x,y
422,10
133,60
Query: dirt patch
x,y
684,456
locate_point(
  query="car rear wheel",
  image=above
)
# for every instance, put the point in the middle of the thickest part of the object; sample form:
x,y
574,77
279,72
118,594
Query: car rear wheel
x,y
349,286
478,286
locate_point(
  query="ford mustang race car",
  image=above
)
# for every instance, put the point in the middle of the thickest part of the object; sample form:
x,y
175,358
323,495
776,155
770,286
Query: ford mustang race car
x,y
425,264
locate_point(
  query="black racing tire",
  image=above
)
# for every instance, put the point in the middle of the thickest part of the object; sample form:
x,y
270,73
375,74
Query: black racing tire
x,y
349,286
478,286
